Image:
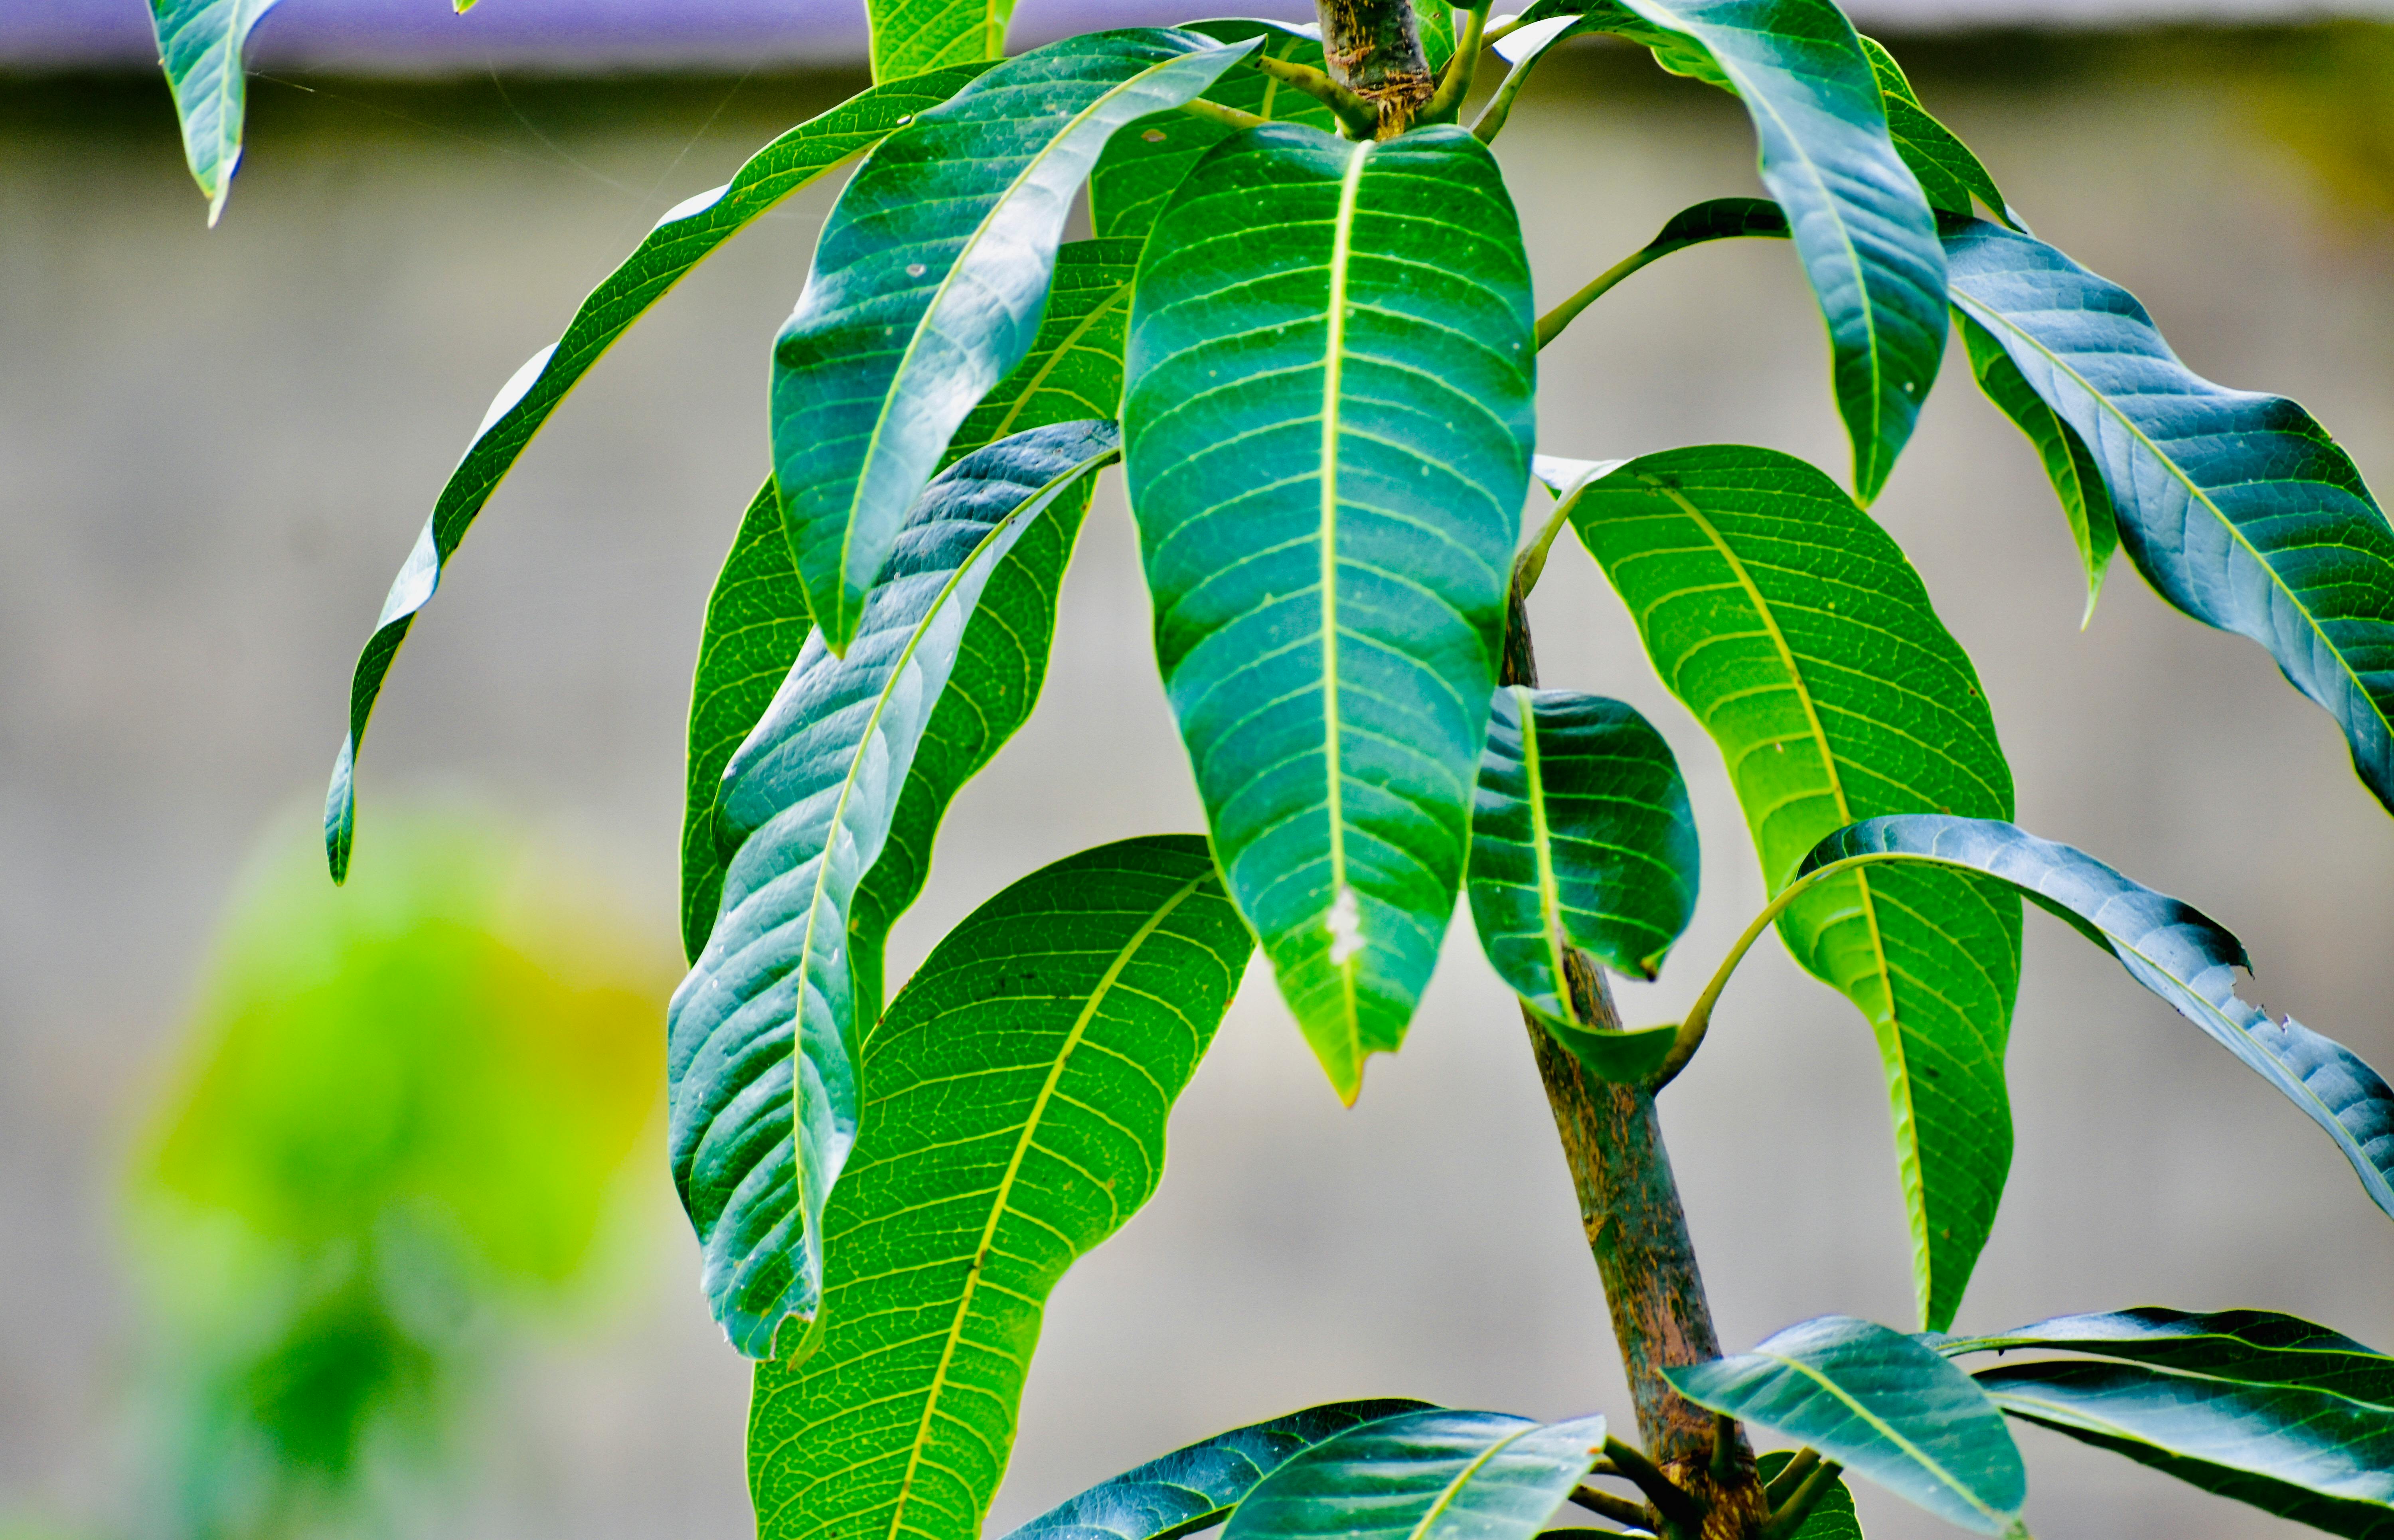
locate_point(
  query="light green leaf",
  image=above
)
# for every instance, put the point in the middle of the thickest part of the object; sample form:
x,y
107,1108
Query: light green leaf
x,y
199,45
685,237
1949,173
1795,631
910,36
1328,433
929,284
1833,1518
1196,1487
1429,1475
1882,1405
1581,836
1017,1095
761,1038
2166,946
2069,464
2238,507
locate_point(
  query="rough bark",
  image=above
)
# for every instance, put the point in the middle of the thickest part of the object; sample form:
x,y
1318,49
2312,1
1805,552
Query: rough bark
x,y
1374,48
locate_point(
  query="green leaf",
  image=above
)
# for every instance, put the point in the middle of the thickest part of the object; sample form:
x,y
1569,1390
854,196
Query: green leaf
x,y
1861,224
1949,175
1145,162
685,237
1196,1487
2169,948
2069,464
2238,507
1581,836
1327,434
1074,367
1831,1518
1430,1475
2253,1347
1882,1405
910,36
199,45
1017,1091
929,284
761,1037
1802,641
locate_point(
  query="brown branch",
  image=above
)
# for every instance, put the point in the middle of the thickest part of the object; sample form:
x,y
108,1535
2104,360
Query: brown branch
x,y
1373,49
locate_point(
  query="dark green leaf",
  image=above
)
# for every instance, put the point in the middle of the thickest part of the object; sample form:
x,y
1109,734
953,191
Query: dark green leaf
x,y
1196,1487
2069,464
1146,161
1073,370
1794,629
1433,1474
2238,507
1882,1405
199,45
1017,1091
761,1037
1864,232
929,284
685,237
1833,1518
1581,836
1949,175
1327,435
910,36
2253,1347
2167,947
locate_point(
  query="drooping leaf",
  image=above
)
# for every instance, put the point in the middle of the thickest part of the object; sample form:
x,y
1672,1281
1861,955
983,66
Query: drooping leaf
x,y
1327,434
1862,225
761,1037
685,237
1145,162
2238,507
1881,1405
1017,1091
929,284
1833,1518
1714,219
199,46
1429,1475
1196,1487
2069,464
910,36
1581,836
1949,175
1521,49
1795,631
1073,370
2166,946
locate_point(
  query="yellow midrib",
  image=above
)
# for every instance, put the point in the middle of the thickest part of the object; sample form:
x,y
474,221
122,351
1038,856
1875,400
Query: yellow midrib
x,y
1887,1432
1334,353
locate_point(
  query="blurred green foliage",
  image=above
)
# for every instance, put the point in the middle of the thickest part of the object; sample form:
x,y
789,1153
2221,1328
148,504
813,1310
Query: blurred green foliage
x,y
397,1134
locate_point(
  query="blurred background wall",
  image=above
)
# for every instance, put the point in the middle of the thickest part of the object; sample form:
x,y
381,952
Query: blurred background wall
x,y
215,448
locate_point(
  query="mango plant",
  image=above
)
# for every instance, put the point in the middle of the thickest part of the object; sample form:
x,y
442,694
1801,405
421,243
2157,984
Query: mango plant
x,y
1302,324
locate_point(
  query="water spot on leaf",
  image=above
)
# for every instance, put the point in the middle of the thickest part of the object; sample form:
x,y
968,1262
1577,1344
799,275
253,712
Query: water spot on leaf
x,y
915,270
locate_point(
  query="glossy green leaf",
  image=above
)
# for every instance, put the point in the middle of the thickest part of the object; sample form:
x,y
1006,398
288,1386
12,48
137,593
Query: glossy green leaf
x,y
2166,946
1833,1518
910,36
1861,224
2252,1347
1949,175
2069,464
929,284
1802,641
1881,1405
1196,1487
1429,1475
1327,435
1017,1094
1581,836
199,46
685,237
1074,367
761,1037
2238,507
1146,161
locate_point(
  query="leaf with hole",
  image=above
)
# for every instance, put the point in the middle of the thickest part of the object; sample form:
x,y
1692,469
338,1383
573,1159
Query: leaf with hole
x,y
1327,434
1016,1099
1428,1475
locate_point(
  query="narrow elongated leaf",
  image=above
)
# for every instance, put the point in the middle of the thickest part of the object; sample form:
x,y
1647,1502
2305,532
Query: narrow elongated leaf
x,y
1075,368
1862,224
1196,1487
1581,836
1881,1405
1430,1475
2069,464
929,284
2169,948
1949,175
1017,1091
910,36
2238,507
2252,1347
1833,1518
199,45
1795,631
761,1037
685,237
1328,433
